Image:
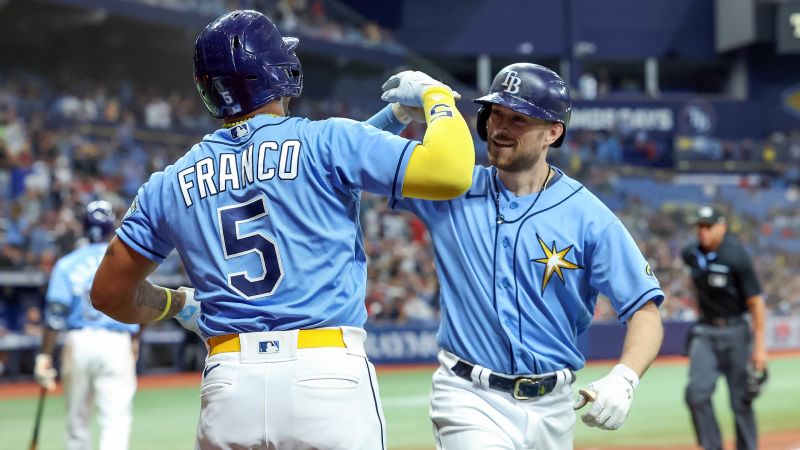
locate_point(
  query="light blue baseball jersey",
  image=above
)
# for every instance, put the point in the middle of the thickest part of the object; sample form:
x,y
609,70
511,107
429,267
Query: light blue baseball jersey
x,y
265,217
515,295
70,283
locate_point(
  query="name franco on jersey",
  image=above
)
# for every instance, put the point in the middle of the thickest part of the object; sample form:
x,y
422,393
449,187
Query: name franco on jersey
x,y
239,174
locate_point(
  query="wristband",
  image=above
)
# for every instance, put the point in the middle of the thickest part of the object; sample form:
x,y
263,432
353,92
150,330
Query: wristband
x,y
166,309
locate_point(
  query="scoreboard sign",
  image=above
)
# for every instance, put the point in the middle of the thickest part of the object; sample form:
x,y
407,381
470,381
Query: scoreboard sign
x,y
787,28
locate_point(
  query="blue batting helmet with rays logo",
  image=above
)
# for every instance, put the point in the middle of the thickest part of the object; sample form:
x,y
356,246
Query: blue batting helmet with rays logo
x,y
529,89
241,62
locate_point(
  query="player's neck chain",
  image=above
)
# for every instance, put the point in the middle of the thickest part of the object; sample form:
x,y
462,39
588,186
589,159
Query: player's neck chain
x,y
498,216
239,122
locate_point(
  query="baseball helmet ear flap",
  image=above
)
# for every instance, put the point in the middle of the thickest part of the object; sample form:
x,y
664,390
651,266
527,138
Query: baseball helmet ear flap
x,y
481,122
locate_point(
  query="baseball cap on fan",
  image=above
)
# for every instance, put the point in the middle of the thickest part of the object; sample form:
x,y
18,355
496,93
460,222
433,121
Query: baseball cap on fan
x,y
708,215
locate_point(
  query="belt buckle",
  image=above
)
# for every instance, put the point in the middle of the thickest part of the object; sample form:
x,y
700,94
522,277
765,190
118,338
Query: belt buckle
x,y
519,382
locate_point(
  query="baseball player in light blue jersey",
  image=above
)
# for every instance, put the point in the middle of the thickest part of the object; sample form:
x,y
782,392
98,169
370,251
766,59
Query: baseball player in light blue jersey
x,y
264,213
98,360
521,258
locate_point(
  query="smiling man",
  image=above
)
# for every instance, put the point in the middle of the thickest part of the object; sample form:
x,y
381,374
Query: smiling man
x,y
521,258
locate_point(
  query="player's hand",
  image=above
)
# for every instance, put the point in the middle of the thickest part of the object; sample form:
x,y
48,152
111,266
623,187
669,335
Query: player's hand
x,y
408,114
408,87
43,371
187,316
613,395
759,358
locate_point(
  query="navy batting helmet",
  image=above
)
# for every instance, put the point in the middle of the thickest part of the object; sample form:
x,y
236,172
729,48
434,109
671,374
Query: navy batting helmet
x,y
99,220
529,89
242,62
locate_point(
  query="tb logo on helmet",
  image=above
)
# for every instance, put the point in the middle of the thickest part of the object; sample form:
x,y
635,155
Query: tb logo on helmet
x,y
511,82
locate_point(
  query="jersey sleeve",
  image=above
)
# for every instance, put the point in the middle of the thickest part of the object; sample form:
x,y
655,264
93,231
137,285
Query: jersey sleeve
x,y
413,205
58,288
748,280
620,272
140,227
360,156
427,210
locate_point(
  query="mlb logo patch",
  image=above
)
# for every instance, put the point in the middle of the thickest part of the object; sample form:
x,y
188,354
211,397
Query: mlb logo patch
x,y
240,131
269,346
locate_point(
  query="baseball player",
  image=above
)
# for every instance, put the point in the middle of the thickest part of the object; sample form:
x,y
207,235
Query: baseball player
x,y
521,258
98,360
264,214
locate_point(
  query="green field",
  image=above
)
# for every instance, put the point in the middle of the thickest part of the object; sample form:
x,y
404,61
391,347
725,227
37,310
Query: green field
x,y
166,418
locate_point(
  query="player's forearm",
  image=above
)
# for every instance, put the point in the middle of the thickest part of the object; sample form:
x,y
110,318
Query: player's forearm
x,y
49,341
144,304
441,168
643,339
120,288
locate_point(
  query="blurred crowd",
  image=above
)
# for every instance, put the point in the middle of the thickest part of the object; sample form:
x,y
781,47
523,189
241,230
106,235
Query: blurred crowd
x,y
323,19
662,232
65,144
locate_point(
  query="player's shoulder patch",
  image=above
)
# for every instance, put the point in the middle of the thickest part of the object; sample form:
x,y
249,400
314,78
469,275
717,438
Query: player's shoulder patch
x,y
649,271
133,208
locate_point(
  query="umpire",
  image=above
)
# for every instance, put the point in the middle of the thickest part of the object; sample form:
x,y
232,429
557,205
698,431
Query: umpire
x,y
729,335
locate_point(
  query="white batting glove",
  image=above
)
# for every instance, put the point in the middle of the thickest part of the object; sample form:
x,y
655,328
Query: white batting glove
x,y
613,397
188,316
407,88
43,371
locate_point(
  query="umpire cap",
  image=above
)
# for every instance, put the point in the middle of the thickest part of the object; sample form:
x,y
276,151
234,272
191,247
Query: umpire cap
x,y
709,215
530,89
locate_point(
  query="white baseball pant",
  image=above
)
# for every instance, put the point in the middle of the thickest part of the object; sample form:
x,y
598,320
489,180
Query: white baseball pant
x,y
469,415
98,369
270,394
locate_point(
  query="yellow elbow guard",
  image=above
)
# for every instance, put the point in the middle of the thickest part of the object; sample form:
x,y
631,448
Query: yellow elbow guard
x,y
441,168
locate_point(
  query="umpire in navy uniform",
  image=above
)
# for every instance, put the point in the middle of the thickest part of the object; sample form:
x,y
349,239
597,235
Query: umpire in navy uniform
x,y
729,334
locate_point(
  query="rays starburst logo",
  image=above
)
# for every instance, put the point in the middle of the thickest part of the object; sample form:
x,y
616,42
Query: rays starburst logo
x,y
555,262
